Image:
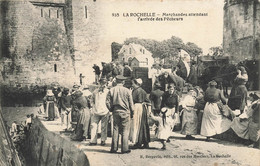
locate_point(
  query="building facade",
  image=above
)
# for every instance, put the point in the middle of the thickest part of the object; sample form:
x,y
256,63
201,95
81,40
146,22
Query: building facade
x,y
136,55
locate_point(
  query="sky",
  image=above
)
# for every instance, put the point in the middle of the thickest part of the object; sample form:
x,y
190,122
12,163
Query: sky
x,y
205,31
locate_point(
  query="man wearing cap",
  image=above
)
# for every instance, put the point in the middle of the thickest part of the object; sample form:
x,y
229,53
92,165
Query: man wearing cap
x,y
100,113
120,102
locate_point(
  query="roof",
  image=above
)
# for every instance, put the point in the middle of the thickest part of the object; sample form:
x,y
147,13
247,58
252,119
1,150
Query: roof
x,y
136,48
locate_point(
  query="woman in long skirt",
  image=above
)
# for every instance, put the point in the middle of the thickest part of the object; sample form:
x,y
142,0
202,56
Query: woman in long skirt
x,y
213,122
189,118
139,132
80,104
50,100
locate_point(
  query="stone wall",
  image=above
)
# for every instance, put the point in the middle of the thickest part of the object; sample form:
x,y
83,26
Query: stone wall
x,y
35,41
241,29
85,29
49,148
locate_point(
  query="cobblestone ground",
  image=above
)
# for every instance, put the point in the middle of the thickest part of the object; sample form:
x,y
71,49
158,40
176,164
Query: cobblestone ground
x,y
179,152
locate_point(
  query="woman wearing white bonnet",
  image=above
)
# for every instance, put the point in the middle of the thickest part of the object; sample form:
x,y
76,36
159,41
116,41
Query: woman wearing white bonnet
x,y
50,100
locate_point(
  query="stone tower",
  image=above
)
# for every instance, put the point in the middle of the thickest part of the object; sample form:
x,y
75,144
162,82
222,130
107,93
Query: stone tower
x,y
46,41
241,31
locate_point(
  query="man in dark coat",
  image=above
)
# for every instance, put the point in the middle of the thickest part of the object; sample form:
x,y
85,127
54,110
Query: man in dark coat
x,y
97,73
184,67
165,79
120,102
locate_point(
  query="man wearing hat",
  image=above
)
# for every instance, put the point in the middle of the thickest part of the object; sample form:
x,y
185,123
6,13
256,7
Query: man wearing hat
x,y
120,102
100,113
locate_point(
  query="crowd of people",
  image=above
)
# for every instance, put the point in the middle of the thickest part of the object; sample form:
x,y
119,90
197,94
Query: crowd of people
x,y
132,112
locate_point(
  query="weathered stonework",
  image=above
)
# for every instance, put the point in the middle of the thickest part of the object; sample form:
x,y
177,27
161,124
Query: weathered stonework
x,y
241,38
49,148
46,41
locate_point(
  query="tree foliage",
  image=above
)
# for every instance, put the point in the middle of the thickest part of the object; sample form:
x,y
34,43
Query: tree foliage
x,y
166,48
115,47
216,51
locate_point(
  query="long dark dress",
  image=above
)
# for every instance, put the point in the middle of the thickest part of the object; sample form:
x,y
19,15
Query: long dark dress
x,y
140,133
238,94
80,104
50,106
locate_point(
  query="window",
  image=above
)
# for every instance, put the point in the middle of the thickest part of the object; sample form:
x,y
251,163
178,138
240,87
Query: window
x,y
49,13
143,51
130,51
86,12
146,61
55,68
41,12
58,13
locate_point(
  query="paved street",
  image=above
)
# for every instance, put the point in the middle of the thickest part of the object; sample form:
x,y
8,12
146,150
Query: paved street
x,y
179,152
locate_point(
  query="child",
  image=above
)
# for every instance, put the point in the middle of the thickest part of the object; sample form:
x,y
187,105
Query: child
x,y
165,122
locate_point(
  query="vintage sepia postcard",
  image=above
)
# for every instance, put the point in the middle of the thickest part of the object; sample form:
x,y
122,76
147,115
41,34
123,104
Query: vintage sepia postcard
x,y
129,82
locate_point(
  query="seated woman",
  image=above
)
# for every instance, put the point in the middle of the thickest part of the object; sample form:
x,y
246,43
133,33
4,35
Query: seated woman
x,y
213,122
189,118
243,125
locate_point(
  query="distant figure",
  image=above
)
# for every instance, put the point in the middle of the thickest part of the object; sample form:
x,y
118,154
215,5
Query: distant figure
x,y
184,67
50,101
13,130
66,107
81,78
193,76
180,82
120,102
127,72
28,122
97,73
